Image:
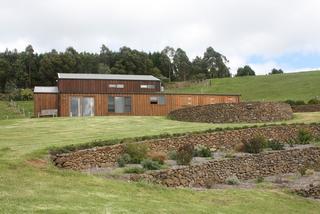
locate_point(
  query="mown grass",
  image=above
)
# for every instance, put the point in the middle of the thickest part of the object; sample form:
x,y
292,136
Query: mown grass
x,y
295,86
30,185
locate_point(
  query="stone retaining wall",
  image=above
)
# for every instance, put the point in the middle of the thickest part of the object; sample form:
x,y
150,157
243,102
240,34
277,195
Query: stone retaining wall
x,y
234,112
310,191
107,155
306,108
245,167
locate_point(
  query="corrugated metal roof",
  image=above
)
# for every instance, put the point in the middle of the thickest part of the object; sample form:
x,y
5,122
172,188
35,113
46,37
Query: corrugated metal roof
x,y
106,76
45,89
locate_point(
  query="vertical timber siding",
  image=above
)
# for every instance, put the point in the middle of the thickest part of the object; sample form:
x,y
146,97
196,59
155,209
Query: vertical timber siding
x,y
102,86
140,103
44,101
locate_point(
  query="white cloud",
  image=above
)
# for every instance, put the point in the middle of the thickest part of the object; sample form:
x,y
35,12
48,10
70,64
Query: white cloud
x,y
238,29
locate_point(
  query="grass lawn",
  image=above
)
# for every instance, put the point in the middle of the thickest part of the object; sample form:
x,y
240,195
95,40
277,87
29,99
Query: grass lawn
x,y
30,185
295,86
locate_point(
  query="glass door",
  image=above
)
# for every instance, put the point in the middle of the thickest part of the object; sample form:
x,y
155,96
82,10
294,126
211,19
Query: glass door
x,y
88,106
75,107
119,104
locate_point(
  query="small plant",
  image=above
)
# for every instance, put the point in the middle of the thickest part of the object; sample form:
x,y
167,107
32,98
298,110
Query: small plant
x,y
310,172
172,155
185,154
137,151
314,101
239,147
304,136
302,170
260,179
255,145
123,160
275,145
150,164
134,170
202,151
232,180
291,142
160,157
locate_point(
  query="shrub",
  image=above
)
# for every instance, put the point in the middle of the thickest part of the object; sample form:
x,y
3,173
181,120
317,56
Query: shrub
x,y
291,142
150,164
123,160
275,145
135,170
137,151
292,102
255,145
314,101
172,155
260,179
202,151
239,147
160,157
232,180
185,154
304,136
302,170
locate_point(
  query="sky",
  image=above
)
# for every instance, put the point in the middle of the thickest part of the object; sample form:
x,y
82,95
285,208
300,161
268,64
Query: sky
x,y
264,34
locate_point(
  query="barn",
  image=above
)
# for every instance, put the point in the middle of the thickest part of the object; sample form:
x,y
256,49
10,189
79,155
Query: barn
x,y
115,94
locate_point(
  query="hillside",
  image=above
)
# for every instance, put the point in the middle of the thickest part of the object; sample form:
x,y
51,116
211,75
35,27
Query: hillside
x,y
295,86
31,184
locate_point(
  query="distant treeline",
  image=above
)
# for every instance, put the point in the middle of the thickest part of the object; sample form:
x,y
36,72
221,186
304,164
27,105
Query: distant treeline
x,y
27,69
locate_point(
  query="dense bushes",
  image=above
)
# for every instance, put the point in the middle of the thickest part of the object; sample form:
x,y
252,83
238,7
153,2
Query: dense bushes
x,y
137,151
202,151
21,95
150,164
301,102
275,145
254,145
185,154
304,136
123,160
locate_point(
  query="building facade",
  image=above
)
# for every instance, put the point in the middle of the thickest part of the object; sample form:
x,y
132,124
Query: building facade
x,y
106,94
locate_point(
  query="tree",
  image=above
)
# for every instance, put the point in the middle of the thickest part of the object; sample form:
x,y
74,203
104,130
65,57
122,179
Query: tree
x,y
216,64
169,52
276,71
199,69
4,74
245,71
29,53
182,65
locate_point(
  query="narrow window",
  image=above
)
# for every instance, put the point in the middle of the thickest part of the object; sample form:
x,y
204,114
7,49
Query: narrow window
x,y
143,86
120,86
111,106
148,86
158,100
112,85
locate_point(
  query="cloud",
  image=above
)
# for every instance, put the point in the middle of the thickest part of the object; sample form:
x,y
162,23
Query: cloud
x,y
238,29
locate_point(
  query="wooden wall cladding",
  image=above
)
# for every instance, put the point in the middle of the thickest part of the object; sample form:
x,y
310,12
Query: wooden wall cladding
x,y
102,86
44,101
140,103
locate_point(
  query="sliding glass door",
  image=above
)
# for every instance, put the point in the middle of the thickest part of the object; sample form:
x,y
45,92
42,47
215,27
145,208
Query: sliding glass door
x,y
81,106
119,104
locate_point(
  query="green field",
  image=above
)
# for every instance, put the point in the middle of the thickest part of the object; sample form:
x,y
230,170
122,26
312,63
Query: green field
x,y
30,184
295,86
10,112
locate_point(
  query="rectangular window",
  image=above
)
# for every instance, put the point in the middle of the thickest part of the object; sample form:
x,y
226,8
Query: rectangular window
x,y
81,106
148,86
116,86
119,104
161,100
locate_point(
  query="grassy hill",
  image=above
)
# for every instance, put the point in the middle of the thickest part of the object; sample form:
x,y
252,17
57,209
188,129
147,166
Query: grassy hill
x,y
8,111
295,86
30,184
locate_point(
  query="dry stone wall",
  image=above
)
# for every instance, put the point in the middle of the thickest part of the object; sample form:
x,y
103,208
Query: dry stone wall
x,y
107,155
306,108
245,167
310,191
234,112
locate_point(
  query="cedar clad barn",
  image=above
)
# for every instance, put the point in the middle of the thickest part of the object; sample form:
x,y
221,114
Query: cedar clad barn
x,y
115,94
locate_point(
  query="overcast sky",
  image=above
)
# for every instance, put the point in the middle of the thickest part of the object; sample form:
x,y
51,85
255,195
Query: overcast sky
x,y
261,33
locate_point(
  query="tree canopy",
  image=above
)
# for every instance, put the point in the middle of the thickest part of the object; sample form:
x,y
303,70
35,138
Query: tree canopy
x,y
276,71
245,71
27,68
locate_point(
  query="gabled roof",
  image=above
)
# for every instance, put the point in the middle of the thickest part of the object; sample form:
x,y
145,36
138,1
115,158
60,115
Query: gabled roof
x,y
46,89
106,76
